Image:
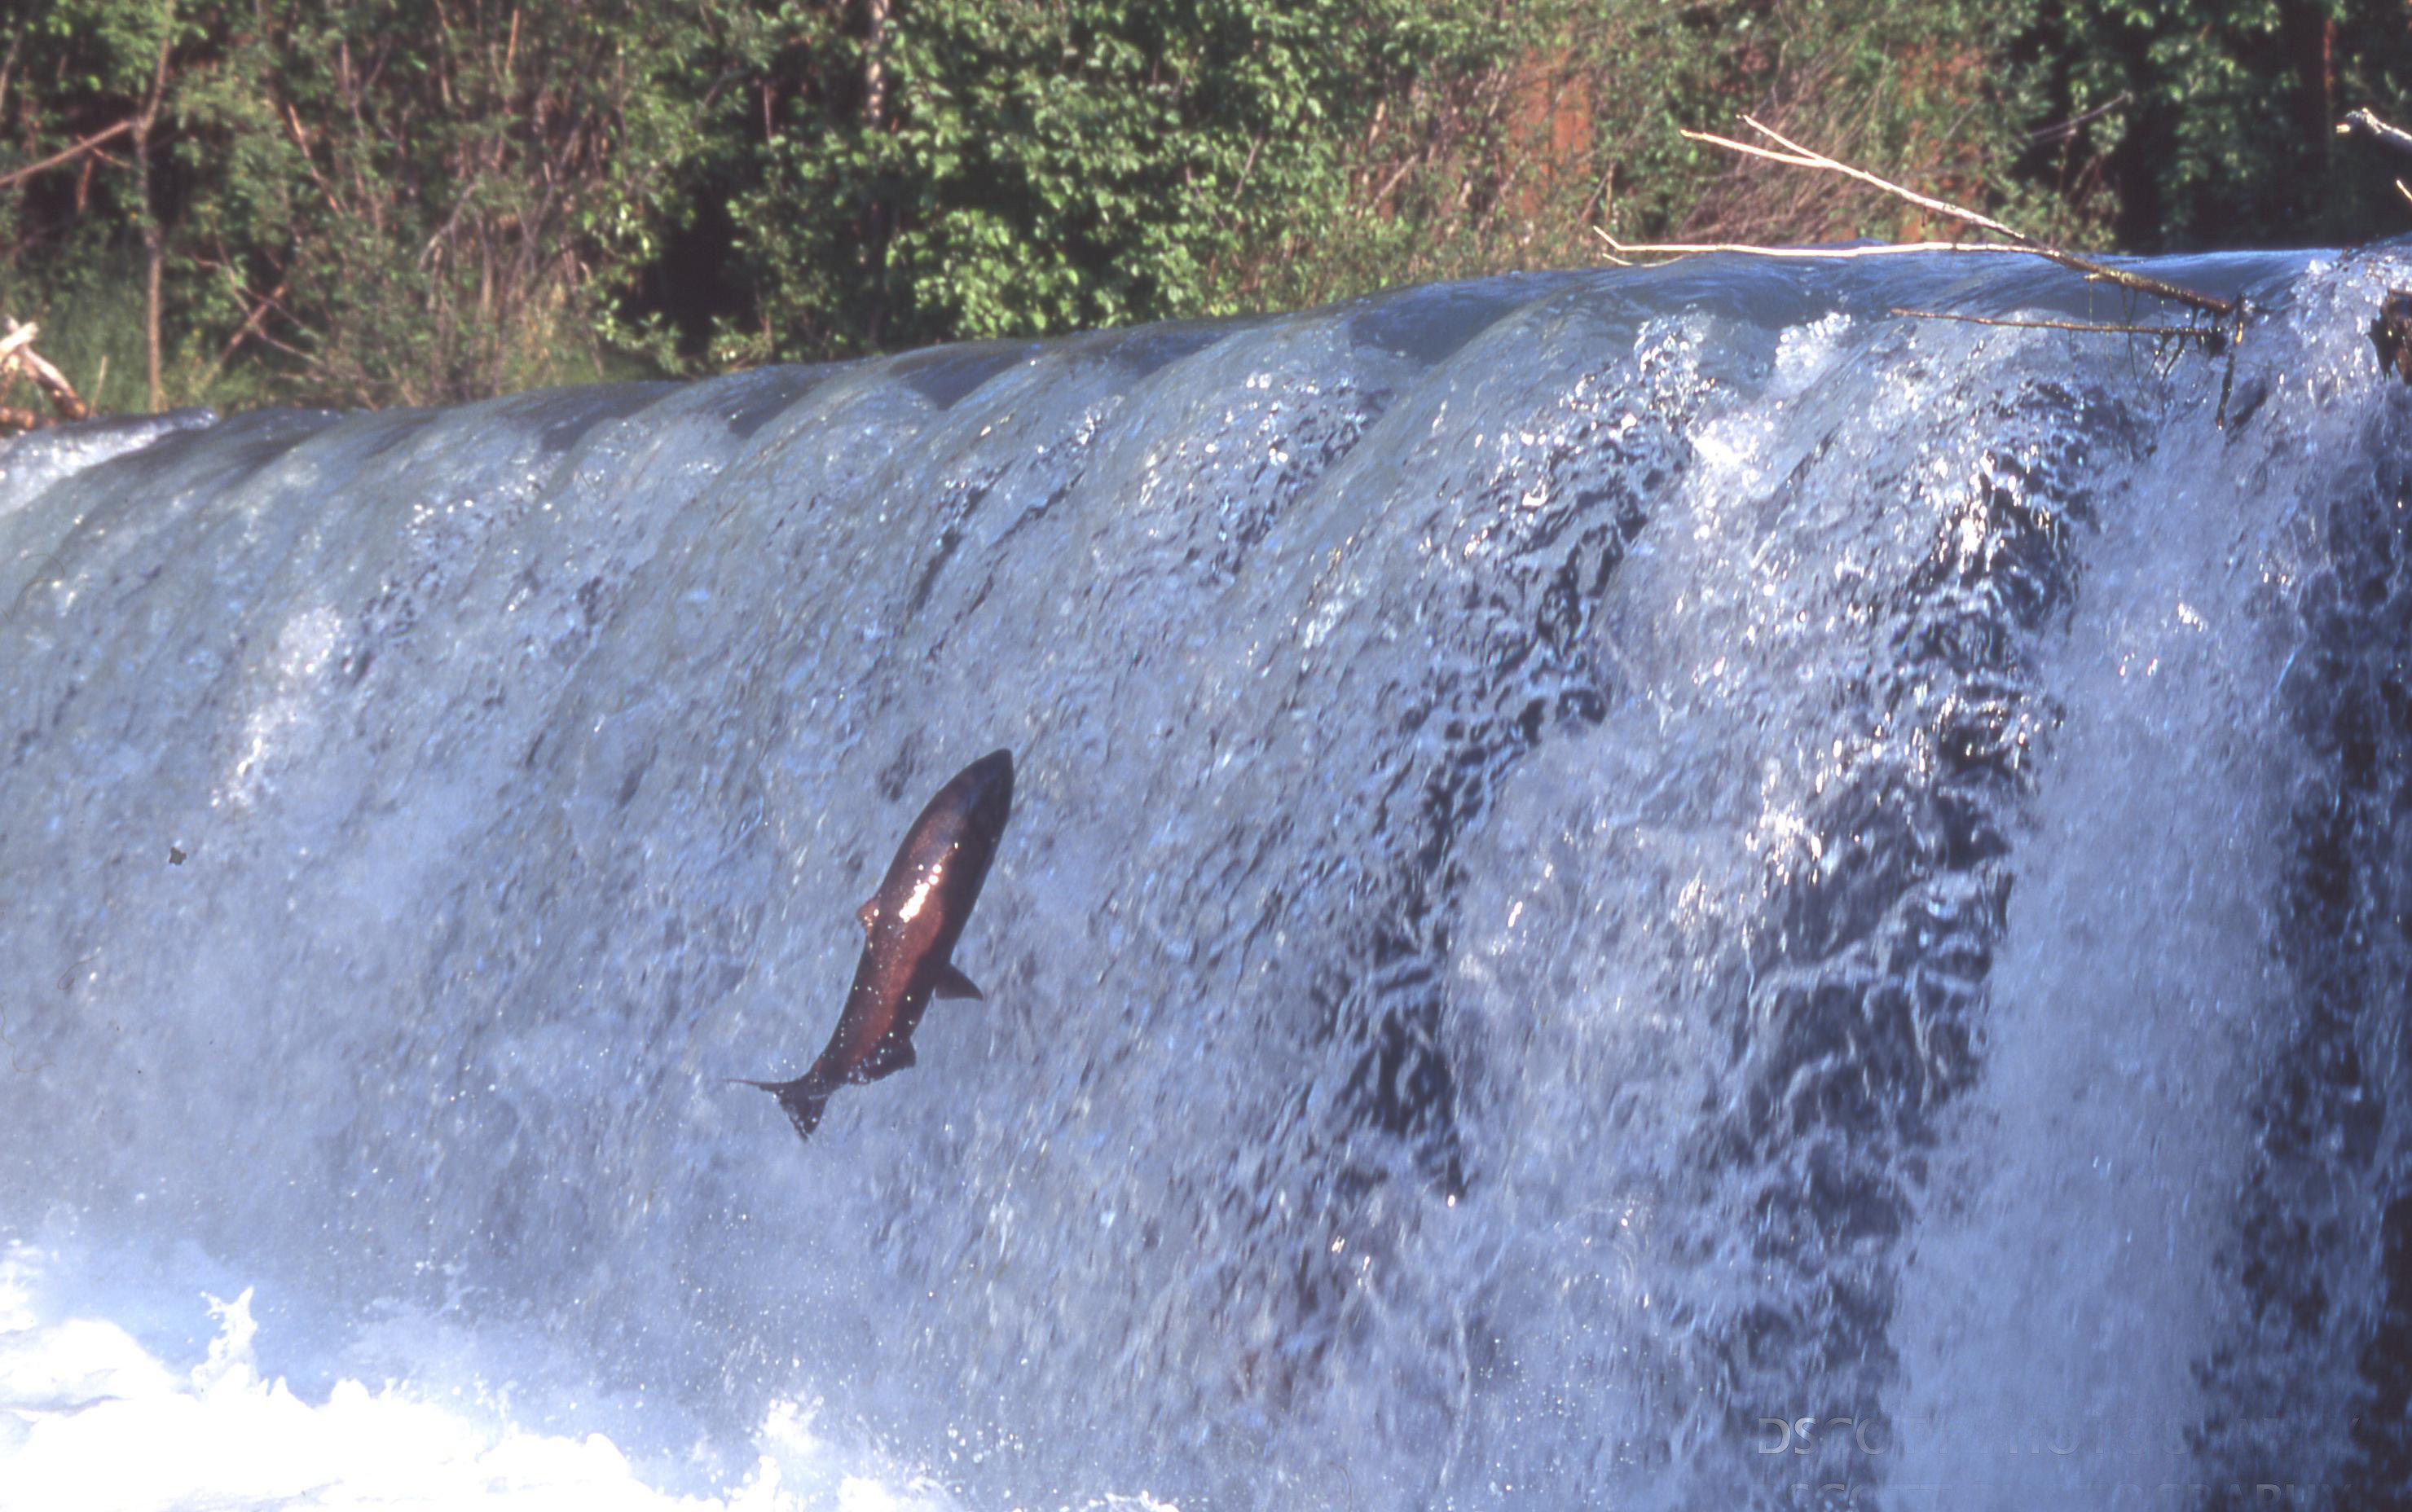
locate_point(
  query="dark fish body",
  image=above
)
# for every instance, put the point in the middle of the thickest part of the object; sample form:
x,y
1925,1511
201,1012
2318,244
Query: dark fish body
x,y
911,927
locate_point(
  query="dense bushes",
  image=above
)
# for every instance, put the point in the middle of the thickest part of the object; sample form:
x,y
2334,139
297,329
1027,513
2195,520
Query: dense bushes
x,y
2218,117
375,202
1006,166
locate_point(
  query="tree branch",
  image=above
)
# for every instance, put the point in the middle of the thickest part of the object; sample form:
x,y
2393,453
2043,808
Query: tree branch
x,y
250,324
2364,123
1799,156
154,235
2209,337
1809,254
67,155
18,358
1793,154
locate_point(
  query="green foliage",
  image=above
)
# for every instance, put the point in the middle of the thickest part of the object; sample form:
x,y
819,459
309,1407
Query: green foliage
x,y
448,180
92,330
380,202
2216,124
1578,123
374,201
1007,167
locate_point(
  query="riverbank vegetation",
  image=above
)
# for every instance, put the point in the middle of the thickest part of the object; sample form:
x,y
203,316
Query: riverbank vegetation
x,y
412,201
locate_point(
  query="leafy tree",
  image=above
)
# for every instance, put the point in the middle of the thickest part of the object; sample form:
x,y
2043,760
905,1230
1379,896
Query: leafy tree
x,y
2205,124
377,202
1578,122
982,167
456,186
940,168
394,200
97,59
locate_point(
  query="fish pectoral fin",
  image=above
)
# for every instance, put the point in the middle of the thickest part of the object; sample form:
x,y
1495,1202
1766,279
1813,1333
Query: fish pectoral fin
x,y
949,981
888,1058
869,912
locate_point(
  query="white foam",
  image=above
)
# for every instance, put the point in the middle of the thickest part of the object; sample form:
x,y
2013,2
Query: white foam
x,y
91,1419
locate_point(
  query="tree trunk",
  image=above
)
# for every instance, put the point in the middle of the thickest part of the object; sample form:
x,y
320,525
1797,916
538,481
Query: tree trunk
x,y
875,223
874,76
2308,33
153,240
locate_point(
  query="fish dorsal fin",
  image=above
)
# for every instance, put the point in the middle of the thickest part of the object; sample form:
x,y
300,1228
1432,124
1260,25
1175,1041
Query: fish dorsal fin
x,y
949,981
869,912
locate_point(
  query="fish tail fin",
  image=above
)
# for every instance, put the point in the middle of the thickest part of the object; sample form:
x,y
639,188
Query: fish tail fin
x,y
803,1098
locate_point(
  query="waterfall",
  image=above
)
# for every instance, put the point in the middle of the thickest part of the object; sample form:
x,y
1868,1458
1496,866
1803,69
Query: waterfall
x,y
1647,888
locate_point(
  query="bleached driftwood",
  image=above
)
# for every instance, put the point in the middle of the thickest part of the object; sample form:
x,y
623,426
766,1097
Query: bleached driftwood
x,y
18,359
2013,240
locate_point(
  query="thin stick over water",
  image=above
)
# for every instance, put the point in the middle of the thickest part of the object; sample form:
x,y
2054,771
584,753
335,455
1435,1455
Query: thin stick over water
x,y
1793,154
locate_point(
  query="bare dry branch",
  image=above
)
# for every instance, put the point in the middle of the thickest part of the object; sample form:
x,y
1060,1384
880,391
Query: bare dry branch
x,y
67,154
38,368
2062,130
250,324
1792,154
18,359
1799,156
1885,249
2200,333
2364,123
302,143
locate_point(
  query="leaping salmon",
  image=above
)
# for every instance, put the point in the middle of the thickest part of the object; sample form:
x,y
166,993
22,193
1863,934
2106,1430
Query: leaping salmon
x,y
909,927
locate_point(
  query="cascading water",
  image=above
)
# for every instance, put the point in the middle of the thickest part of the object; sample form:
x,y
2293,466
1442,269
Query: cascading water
x,y
1649,889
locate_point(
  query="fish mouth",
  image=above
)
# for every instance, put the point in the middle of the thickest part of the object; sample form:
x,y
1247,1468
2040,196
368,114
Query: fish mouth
x,y
993,769
992,780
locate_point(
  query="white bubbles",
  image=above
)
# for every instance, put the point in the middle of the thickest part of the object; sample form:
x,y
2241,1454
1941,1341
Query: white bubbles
x,y
93,1419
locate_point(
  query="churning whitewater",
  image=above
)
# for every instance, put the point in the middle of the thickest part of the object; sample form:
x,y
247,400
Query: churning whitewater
x,y
1639,889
